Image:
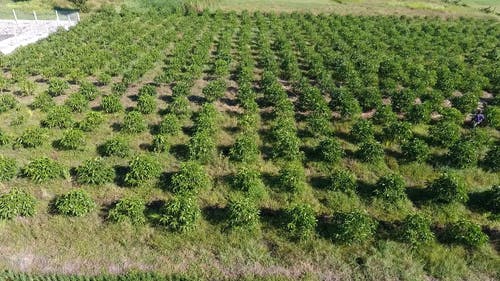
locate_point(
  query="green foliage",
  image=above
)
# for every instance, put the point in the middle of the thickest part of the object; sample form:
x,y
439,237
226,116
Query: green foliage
x,y
202,146
146,104
369,98
492,115
148,90
214,90
416,150
190,179
180,107
8,168
342,180
243,213
91,121
492,158
31,138
129,209
402,101
44,102
248,179
444,133
416,230
57,87
397,132
353,227
245,148
465,233
384,115
448,188
111,104
116,146
492,197
300,221
370,152
206,119
170,125
292,177
43,169
463,154
160,143
77,102
330,150
466,103
7,102
119,88
345,103
180,214
419,113
141,169
362,131
452,115
4,138
88,90
134,123
95,172
71,139
16,203
75,203
58,117
391,188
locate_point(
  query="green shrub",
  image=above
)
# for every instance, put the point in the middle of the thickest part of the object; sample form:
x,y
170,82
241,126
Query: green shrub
x,y
160,143
207,118
370,152
362,131
448,188
248,179
190,179
330,150
104,78
146,104
180,107
318,123
391,188
416,150
292,177
402,101
31,138
16,203
450,114
181,89
463,154
345,103
342,180
465,233
141,169
43,169
492,197
91,121
4,138
352,227
384,115
7,102
466,103
8,168
129,209
492,114
119,88
57,87
75,203
116,146
43,101
133,123
492,158
419,113
71,139
88,90
369,98
202,147
243,213
214,90
300,221
170,125
94,171
416,230
111,104
148,90
26,87
58,117
77,102
245,148
444,133
398,132
180,214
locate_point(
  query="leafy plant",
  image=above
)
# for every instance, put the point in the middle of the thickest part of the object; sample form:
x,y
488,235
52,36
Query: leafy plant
x,y
466,233
243,213
8,168
214,90
292,177
88,90
352,227
141,169
371,152
134,123
170,125
190,179
160,143
362,131
71,139
58,117
43,101
330,150
116,146
300,221
444,133
57,87
202,146
76,203
402,101
91,121
129,209
245,148
248,179
466,103
463,153
448,188
16,203
180,214
77,102
111,104
384,115
43,169
148,90
342,180
146,104
391,188
95,172
31,138
7,102
4,138
415,149
492,158
416,230
492,114
397,132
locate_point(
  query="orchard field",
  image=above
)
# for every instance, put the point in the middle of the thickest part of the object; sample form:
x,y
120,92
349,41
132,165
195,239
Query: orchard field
x,y
223,145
